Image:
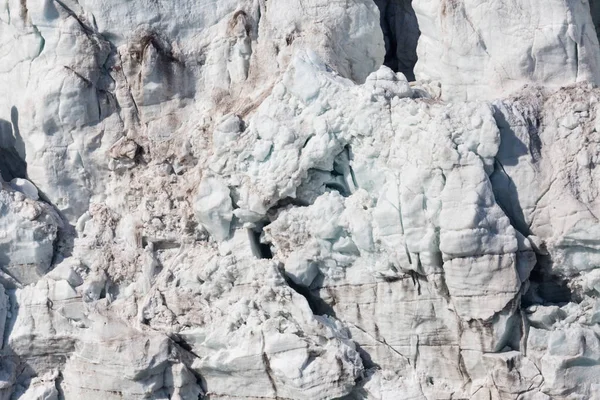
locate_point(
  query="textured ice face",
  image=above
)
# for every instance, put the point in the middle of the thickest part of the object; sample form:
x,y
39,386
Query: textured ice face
x,y
235,199
483,52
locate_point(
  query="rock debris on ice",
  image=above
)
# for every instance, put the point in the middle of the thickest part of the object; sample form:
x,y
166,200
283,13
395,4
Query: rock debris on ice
x,y
308,200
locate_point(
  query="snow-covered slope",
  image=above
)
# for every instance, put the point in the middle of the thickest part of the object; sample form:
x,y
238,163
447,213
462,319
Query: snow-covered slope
x,y
248,199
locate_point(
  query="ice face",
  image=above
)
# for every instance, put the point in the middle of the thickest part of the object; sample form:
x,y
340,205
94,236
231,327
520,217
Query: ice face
x,y
256,199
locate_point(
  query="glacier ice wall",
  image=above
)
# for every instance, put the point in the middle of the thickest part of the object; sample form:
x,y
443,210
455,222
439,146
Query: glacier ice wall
x,y
299,199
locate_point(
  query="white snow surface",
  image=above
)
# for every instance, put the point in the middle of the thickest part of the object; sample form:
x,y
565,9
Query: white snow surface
x,y
238,200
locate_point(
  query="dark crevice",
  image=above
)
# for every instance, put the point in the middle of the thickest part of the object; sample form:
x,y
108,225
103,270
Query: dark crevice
x,y
357,393
160,244
12,149
11,165
502,184
87,82
58,385
81,21
342,168
319,181
504,188
284,203
179,341
316,304
337,187
269,372
547,288
350,159
260,248
319,306
401,34
186,356
368,362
